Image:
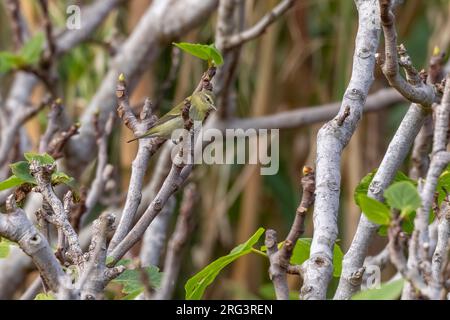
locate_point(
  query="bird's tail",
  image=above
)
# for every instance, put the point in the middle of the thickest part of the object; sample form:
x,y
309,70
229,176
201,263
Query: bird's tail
x,y
140,137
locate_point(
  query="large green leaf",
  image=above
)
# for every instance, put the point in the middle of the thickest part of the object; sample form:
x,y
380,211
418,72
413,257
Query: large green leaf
x,y
42,159
403,196
388,291
363,186
374,210
301,254
11,182
132,284
195,286
202,51
21,170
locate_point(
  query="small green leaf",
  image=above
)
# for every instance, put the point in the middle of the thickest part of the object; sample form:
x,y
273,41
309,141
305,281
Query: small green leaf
x,y
196,286
21,170
403,196
408,223
215,55
61,178
264,248
202,51
11,182
32,49
4,248
301,254
443,185
131,280
374,210
383,231
133,294
43,296
387,291
42,159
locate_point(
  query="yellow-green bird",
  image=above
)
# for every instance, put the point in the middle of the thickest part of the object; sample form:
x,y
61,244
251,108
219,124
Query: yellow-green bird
x,y
202,102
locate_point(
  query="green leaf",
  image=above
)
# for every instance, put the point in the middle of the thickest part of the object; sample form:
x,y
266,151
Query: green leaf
x,y
202,51
43,296
61,178
32,49
301,254
133,294
408,223
383,231
363,186
11,182
21,170
443,185
374,210
403,196
388,291
196,286
9,61
4,248
264,248
131,280
42,159
215,55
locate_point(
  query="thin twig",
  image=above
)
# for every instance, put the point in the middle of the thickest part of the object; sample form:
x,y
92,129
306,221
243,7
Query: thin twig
x,y
259,27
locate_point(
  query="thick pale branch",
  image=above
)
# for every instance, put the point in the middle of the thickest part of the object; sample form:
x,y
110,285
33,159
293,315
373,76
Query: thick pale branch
x,y
331,141
15,226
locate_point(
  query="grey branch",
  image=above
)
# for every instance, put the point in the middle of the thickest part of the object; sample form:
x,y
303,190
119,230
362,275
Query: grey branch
x,y
15,226
331,141
147,147
440,256
42,174
103,171
413,88
277,270
396,153
420,242
177,243
304,116
155,236
96,275
280,259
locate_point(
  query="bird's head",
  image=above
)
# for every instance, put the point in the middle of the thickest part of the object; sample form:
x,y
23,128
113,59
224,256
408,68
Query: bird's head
x,y
207,98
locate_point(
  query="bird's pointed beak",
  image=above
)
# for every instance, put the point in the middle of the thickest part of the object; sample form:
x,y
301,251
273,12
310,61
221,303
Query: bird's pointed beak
x,y
214,107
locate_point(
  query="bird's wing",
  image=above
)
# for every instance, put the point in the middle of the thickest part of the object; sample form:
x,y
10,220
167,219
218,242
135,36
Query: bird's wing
x,y
173,113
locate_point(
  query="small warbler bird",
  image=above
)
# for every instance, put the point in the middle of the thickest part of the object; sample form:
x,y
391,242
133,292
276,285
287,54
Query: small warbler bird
x,y
202,102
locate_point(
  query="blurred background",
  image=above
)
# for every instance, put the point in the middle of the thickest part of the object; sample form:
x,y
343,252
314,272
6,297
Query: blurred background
x,y
303,60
